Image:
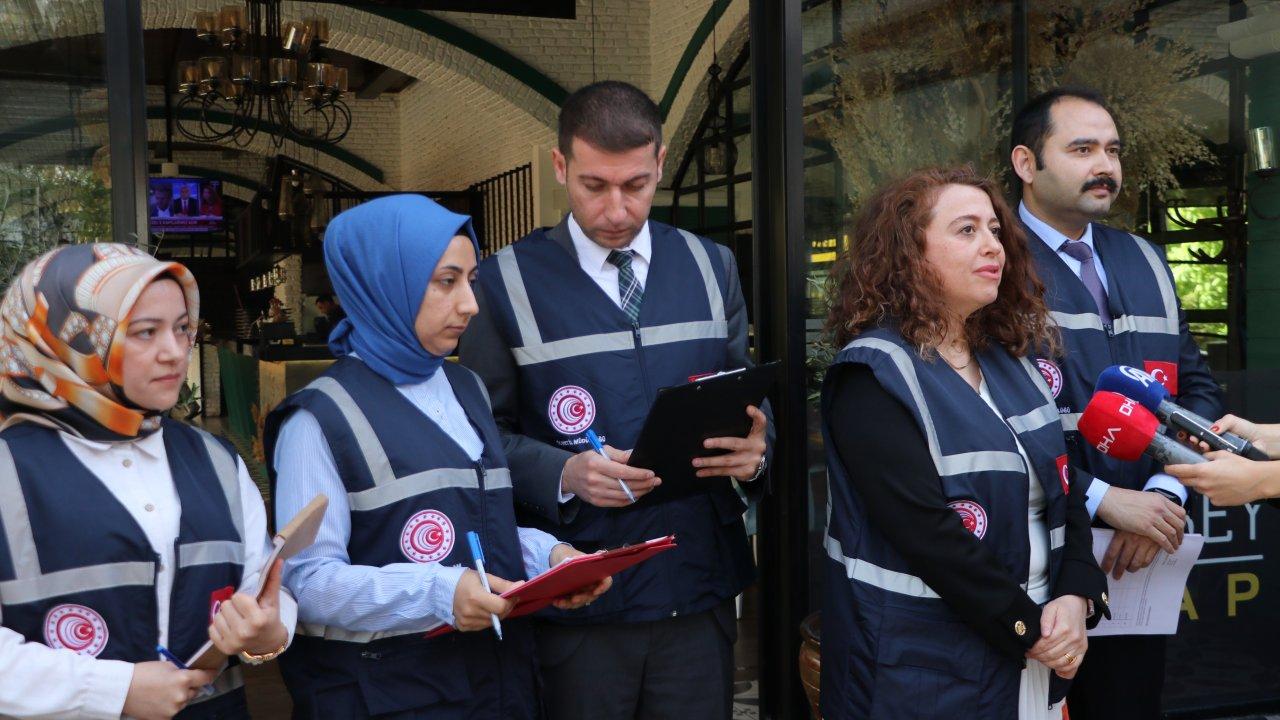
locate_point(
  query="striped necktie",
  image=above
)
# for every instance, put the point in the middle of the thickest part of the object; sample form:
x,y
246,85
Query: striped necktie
x,y
629,289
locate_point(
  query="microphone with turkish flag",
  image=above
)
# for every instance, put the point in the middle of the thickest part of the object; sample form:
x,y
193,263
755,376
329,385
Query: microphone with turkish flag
x,y
1134,383
1121,428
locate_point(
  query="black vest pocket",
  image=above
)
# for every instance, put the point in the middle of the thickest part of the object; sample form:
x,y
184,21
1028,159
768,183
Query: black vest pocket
x,y
421,675
926,669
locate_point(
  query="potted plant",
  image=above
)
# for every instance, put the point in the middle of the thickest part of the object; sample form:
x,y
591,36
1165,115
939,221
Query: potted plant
x,y
188,405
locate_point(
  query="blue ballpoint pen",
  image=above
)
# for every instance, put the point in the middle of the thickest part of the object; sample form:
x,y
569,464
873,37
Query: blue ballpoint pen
x,y
595,443
477,555
164,653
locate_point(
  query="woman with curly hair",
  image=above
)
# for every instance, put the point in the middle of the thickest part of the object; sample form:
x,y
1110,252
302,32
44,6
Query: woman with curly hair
x,y
961,578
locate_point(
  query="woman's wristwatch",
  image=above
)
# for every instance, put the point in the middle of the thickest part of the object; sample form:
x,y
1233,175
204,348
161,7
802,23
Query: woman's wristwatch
x,y
252,659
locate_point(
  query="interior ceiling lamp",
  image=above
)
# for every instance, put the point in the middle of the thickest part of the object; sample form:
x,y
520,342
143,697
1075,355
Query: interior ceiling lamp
x,y
719,154
262,74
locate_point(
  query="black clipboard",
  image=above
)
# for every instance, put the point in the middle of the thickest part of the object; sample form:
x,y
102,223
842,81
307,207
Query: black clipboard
x,y
684,416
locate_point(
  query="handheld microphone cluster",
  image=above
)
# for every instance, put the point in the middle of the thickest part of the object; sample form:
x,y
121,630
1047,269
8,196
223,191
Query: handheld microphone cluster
x,y
1123,429
1152,395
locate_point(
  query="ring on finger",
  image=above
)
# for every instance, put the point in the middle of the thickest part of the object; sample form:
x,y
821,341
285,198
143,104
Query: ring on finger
x,y
1069,658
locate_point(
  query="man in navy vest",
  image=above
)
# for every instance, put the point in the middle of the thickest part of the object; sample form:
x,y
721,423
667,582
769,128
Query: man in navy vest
x,y
1113,296
579,327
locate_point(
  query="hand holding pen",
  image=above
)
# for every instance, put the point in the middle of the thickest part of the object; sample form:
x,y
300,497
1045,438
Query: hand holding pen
x,y
477,603
601,477
162,688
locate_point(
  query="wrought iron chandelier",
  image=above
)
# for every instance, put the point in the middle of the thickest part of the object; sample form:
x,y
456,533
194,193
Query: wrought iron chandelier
x,y
267,76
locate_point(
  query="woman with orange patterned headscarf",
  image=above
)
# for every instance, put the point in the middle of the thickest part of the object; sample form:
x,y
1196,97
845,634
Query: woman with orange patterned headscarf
x,y
123,531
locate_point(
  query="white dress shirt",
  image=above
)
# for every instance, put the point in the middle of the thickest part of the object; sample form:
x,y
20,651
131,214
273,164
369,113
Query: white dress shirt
x,y
1055,240
594,259
402,596
137,474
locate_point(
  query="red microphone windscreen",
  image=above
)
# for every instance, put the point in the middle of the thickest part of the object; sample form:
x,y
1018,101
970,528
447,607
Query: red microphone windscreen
x,y
1117,426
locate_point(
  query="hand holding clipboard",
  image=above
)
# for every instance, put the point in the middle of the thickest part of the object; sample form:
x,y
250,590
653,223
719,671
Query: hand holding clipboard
x,y
289,541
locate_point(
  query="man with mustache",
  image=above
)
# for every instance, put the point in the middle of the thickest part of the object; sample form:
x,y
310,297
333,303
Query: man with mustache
x,y
1112,294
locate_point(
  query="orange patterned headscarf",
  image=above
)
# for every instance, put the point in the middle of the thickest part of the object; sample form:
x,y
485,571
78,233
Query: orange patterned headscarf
x,y
62,326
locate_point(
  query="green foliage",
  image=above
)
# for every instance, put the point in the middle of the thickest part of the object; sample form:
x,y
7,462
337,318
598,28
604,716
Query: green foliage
x,y
42,206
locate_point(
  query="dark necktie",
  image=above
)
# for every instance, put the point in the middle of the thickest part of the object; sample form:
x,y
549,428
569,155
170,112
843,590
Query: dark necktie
x,y
629,289
1089,276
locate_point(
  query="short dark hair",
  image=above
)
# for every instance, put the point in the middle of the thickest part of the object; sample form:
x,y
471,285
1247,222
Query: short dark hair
x,y
1034,122
611,115
325,297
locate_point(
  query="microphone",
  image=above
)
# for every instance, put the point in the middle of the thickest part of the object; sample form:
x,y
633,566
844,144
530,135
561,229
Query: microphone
x,y
1134,383
1121,428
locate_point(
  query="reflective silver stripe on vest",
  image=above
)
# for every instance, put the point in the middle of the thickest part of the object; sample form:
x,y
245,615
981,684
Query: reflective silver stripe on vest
x,y
509,267
210,552
908,372
228,472
329,632
1144,324
680,332
1034,420
17,524
876,576
714,299
533,350
1076,321
1070,421
425,482
76,580
231,679
370,448
573,347
1168,296
1038,380
1057,537
981,461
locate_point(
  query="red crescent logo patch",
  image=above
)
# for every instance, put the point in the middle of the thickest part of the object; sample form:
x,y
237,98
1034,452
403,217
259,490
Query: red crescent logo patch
x,y
427,537
1064,473
76,628
571,409
1052,375
972,515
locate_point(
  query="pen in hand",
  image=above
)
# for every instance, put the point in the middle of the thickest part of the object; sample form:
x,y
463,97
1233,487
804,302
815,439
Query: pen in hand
x,y
164,653
595,443
477,555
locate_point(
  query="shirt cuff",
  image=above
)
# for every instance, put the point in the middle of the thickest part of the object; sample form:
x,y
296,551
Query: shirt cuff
x,y
535,550
444,583
565,497
106,687
1093,496
1168,483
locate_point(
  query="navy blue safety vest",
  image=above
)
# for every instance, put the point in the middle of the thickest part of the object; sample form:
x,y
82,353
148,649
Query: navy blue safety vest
x,y
1143,334
413,494
583,364
77,572
891,647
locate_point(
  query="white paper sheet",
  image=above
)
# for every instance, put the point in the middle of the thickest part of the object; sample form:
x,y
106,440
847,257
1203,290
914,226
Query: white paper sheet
x,y
1148,602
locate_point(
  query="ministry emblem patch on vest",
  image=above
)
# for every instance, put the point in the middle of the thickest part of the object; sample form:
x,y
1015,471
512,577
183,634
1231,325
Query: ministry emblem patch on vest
x,y
972,515
427,537
1052,375
76,628
571,410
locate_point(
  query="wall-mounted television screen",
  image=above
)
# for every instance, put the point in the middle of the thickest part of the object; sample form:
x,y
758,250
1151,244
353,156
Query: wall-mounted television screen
x,y
184,205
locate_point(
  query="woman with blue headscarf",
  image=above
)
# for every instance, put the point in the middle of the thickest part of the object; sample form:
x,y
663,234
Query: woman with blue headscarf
x,y
405,445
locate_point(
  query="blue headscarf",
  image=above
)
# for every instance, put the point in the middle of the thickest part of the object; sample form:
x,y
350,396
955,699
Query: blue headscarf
x,y
380,256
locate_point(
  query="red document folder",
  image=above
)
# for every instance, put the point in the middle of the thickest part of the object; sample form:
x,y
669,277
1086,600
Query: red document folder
x,y
574,574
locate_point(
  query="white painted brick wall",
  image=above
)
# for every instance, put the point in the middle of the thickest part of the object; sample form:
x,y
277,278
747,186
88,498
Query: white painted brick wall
x,y
464,120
